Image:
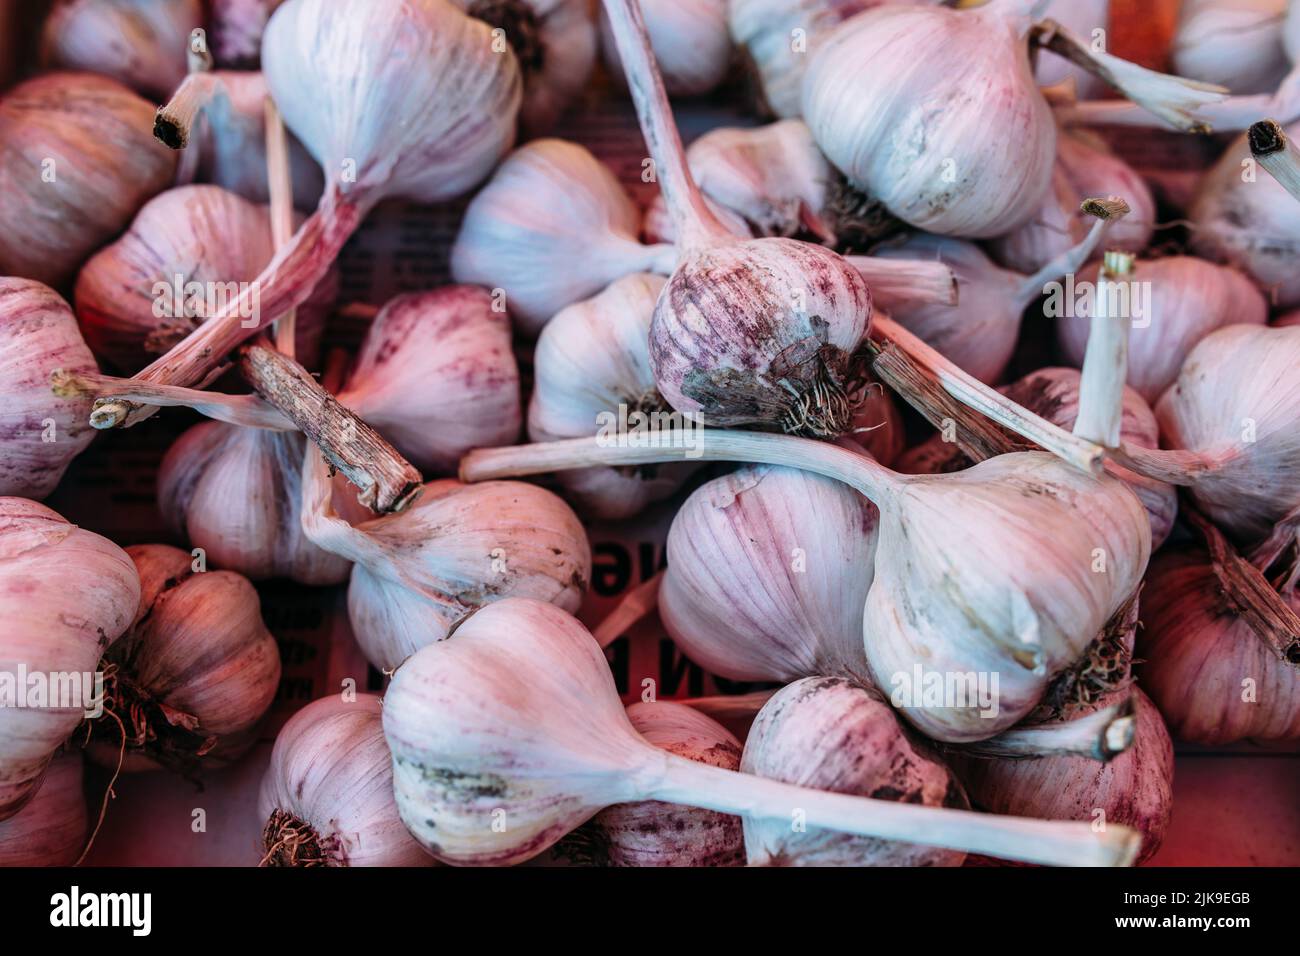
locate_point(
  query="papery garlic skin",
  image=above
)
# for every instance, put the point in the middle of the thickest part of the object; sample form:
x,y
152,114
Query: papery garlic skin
x,y
653,833
199,663
50,829
437,376
690,42
237,27
593,359
1054,592
331,771
830,733
917,106
1189,298
1234,43
41,431
1236,398
1214,679
126,294
65,596
234,492
143,44
552,227
768,572
1134,788
1248,219
77,160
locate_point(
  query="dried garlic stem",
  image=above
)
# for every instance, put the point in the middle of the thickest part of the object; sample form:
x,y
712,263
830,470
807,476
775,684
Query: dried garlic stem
x,y
1012,838
279,179
1277,154
1106,212
635,605
388,482
174,120
1102,735
911,282
246,410
1105,363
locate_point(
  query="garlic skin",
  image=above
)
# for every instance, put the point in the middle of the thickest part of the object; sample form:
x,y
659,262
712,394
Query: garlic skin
x,y
437,376
1291,32
514,236
38,336
1135,788
51,829
233,492
143,44
1189,299
1080,17
65,596
653,833
555,42
1236,399
203,234
1214,679
793,595
237,27
196,671
76,162
690,42
331,780
833,734
592,358
931,143
764,30
1234,43
1246,218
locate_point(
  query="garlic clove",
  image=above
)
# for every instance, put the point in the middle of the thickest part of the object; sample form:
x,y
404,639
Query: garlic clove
x,y
51,829
690,42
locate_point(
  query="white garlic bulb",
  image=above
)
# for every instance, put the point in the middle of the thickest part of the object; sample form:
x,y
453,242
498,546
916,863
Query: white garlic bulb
x,y
552,227
1235,43
690,42
593,359
1188,298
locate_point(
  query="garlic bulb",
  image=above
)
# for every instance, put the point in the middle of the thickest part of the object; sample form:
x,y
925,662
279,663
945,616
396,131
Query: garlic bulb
x,y
689,39
188,683
829,733
1186,299
1081,17
651,833
77,161
65,595
1247,218
420,573
234,492
513,239
394,100
515,720
796,593
591,360
51,829
779,39
1235,409
135,298
143,44
555,43
327,796
1213,677
436,374
1085,167
43,430
1134,789
1235,43
237,27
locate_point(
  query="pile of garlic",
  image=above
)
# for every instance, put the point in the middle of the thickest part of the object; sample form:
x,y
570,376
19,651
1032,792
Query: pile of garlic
x,y
950,513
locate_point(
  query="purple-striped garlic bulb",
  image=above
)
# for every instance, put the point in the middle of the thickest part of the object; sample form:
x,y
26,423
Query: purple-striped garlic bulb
x,y
50,829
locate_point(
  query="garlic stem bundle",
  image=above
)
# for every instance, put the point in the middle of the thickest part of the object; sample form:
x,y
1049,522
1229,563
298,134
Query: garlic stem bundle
x,y
327,796
1001,595
689,40
653,833
140,43
513,240
420,574
1233,43
77,161
829,733
516,719
1276,153
395,100
50,829
65,596
188,683
42,430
